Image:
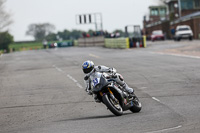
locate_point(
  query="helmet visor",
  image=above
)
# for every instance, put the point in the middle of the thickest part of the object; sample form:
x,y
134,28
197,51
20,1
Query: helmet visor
x,y
87,70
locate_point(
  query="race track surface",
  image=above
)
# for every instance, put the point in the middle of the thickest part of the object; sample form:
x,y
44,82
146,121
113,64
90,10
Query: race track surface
x,y
43,91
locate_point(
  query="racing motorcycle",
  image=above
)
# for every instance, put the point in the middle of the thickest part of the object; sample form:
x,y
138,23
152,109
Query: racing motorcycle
x,y
113,95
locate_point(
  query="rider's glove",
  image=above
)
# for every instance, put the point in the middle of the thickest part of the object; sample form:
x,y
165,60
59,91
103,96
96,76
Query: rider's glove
x,y
112,70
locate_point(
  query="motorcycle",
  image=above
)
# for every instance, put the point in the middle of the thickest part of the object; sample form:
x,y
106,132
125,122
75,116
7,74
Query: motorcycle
x,y
113,95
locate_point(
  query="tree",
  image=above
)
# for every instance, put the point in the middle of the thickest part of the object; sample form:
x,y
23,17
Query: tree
x,y
65,35
40,31
75,34
5,40
4,17
51,37
5,21
119,31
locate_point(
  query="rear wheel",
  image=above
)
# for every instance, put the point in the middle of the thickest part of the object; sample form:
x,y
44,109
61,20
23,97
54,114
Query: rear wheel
x,y
137,106
112,105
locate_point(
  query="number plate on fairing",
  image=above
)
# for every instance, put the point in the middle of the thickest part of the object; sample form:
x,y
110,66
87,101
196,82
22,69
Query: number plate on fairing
x,y
96,81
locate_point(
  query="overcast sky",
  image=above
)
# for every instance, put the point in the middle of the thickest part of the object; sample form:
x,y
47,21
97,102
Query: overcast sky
x,y
61,13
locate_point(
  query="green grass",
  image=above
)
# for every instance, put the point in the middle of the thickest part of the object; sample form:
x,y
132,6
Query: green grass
x,y
29,45
26,46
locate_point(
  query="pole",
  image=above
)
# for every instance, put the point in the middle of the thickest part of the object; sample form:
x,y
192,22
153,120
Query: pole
x,y
101,22
179,5
95,22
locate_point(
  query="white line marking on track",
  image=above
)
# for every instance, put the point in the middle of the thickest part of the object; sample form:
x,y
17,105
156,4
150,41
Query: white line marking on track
x,y
79,85
94,55
143,87
179,55
156,99
69,76
167,129
60,70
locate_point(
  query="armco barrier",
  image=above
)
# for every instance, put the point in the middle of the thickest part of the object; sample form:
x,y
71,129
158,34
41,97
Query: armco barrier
x,y
65,44
122,43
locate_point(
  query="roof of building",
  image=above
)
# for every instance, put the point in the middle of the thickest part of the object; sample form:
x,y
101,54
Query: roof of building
x,y
187,17
160,6
167,1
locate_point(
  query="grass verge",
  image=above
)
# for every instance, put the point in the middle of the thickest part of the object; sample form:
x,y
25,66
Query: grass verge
x,y
25,46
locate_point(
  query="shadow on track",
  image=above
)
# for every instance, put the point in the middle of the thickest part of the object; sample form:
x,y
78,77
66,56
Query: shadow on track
x,y
92,117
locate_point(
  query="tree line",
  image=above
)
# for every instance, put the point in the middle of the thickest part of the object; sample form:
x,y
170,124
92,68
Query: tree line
x,y
46,31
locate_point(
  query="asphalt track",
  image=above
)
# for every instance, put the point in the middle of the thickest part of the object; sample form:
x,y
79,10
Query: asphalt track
x,y
43,91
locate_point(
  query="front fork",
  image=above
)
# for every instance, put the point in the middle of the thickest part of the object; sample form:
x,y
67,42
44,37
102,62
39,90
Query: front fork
x,y
111,96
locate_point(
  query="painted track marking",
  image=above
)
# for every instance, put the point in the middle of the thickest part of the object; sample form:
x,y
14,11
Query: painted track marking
x,y
179,55
92,55
69,76
155,99
167,129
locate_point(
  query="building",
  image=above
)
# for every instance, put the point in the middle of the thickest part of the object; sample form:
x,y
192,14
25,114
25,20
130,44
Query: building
x,y
187,14
158,13
158,19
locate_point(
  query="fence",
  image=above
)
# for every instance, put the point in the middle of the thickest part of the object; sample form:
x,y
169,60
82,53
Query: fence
x,y
91,41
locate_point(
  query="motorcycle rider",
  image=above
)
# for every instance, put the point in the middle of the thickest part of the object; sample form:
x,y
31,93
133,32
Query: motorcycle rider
x,y
90,70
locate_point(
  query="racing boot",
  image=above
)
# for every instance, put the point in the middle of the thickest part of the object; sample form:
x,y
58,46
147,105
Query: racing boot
x,y
96,98
129,90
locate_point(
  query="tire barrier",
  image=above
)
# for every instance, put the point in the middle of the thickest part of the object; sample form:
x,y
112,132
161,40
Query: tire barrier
x,y
124,43
121,43
75,43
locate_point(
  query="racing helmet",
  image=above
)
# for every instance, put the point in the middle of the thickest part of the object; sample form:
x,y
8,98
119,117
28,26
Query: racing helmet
x,y
88,66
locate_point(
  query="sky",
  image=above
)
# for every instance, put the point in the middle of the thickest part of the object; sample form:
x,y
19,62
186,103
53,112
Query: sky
x,y
116,14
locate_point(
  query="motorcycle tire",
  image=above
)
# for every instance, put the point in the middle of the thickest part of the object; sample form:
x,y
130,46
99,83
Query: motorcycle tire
x,y
118,111
137,106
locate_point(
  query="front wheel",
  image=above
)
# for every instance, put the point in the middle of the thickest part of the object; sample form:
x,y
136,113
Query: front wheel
x,y
136,105
112,105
